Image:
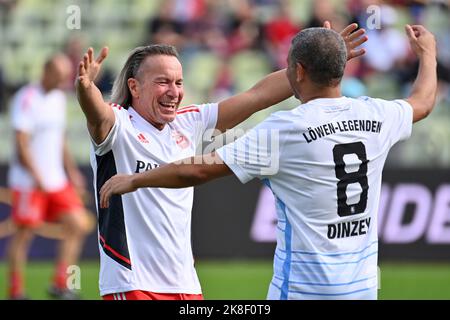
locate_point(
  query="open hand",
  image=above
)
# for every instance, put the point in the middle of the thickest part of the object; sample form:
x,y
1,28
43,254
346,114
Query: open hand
x,y
88,69
353,39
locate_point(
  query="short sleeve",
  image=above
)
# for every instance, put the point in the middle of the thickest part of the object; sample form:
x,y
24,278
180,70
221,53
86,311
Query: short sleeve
x,y
22,113
208,115
398,119
199,119
108,143
258,153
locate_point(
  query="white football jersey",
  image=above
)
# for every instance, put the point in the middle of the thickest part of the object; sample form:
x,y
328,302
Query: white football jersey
x,y
42,115
323,161
145,236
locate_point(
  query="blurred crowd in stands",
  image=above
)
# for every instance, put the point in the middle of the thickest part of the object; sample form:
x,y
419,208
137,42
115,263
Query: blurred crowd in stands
x,y
226,44
227,28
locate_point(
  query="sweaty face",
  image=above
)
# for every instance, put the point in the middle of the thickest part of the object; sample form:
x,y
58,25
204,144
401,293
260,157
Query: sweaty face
x,y
160,89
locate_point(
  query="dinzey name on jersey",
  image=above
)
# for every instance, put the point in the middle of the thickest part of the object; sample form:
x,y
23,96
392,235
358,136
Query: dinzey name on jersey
x,y
145,166
342,126
348,229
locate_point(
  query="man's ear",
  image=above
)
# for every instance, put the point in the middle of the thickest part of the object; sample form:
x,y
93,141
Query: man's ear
x,y
300,72
133,86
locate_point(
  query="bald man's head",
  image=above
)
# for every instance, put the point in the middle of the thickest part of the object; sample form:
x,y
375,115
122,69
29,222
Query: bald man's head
x,y
57,71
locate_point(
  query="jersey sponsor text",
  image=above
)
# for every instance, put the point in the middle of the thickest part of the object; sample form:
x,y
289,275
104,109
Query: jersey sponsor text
x,y
342,126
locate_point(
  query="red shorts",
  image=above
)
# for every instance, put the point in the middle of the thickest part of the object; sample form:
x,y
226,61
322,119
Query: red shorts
x,y
31,208
146,295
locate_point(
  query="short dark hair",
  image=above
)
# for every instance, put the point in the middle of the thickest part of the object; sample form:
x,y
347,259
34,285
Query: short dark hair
x,y
322,52
120,91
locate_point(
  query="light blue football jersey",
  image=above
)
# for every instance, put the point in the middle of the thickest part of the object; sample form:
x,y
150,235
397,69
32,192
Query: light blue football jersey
x,y
323,162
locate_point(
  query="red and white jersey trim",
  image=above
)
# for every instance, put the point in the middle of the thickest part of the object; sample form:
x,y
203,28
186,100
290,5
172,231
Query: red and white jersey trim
x,y
188,109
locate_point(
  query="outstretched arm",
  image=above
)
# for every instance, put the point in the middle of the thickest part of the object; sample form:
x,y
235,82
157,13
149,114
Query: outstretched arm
x,y
189,172
271,90
423,95
100,117
275,87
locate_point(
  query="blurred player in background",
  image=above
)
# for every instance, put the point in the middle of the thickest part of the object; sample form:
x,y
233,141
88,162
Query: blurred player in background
x,y
44,177
324,169
145,237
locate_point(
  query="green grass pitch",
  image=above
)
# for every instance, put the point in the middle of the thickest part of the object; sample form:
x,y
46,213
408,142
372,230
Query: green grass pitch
x,y
250,279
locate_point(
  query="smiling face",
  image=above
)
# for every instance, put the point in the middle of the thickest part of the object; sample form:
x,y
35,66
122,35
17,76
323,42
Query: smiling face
x,y
157,89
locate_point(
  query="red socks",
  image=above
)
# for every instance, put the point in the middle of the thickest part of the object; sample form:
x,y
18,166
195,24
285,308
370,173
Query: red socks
x,y
15,284
16,281
60,278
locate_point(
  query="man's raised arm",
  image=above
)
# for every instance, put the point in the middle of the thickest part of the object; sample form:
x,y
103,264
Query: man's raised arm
x,y
100,117
275,87
423,95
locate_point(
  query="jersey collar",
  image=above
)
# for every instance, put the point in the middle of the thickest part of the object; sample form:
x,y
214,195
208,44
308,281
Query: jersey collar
x,y
329,101
143,124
